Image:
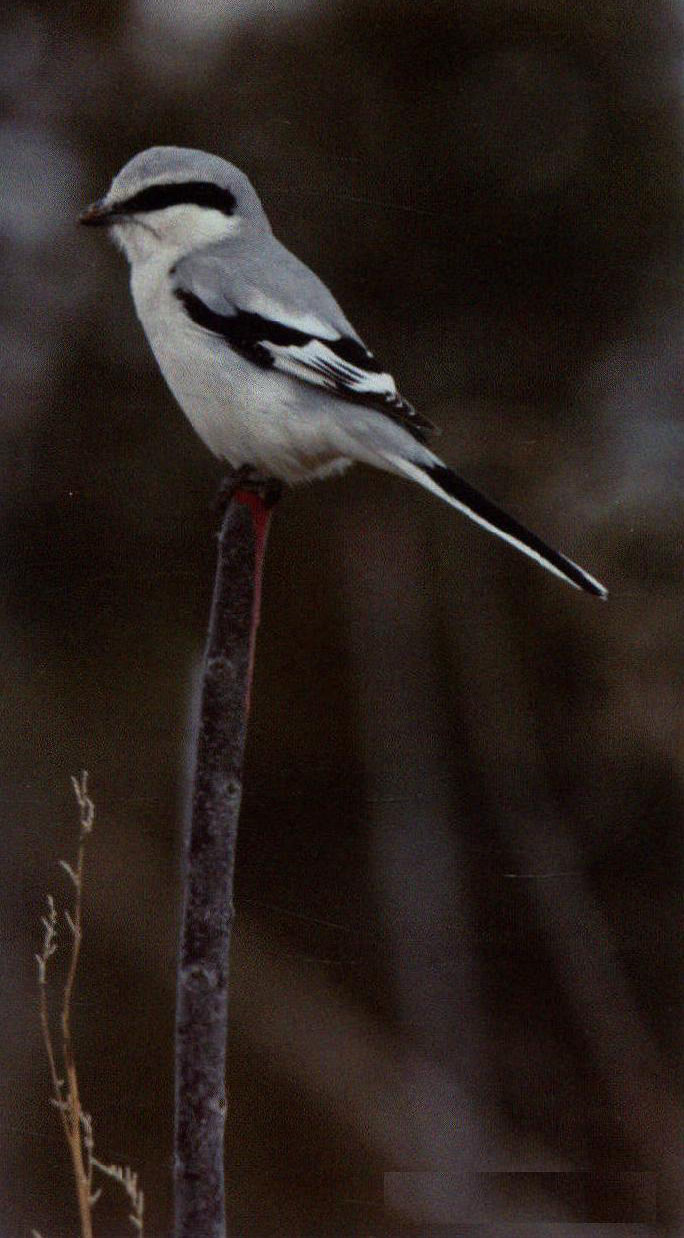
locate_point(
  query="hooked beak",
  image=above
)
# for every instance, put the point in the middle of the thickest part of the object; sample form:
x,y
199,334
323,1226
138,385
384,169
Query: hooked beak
x,y
98,215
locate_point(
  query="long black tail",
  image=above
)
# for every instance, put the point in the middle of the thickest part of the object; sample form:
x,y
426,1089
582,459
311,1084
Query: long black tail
x,y
436,477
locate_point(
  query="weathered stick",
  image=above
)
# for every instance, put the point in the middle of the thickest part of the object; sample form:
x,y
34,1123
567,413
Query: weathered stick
x,y
203,970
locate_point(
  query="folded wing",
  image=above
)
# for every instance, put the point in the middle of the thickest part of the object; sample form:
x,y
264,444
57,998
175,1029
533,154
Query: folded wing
x,y
314,344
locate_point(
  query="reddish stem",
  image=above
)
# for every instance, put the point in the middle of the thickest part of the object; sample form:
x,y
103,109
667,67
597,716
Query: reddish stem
x,y
260,512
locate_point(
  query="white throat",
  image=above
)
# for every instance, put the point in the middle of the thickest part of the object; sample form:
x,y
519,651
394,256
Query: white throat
x,y
174,232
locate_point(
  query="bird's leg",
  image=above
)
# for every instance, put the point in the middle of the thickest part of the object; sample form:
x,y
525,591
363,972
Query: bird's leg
x,y
269,489
230,484
247,480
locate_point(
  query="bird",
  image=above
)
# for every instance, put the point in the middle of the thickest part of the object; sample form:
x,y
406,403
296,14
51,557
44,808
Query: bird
x,y
256,350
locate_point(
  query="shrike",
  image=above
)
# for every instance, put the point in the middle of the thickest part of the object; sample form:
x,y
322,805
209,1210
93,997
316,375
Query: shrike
x,y
257,351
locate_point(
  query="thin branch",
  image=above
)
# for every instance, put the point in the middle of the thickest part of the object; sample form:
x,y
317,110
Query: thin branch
x,y
65,1091
76,1123
48,949
73,1111
203,971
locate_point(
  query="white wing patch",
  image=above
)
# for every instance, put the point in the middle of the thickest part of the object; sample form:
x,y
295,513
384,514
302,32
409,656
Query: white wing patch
x,y
315,361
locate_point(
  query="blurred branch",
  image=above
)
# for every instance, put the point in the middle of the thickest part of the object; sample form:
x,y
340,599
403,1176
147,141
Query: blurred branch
x,y
76,1123
203,972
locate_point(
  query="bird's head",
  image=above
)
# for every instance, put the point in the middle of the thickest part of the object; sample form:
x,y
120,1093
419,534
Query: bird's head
x,y
169,201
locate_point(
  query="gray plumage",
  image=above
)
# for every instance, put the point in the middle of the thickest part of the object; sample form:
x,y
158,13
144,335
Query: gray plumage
x,y
257,351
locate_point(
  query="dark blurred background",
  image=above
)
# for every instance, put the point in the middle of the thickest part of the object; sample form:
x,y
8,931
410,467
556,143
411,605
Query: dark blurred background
x,y
456,1003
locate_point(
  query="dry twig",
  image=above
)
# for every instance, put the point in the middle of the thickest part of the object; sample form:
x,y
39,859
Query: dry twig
x,y
76,1123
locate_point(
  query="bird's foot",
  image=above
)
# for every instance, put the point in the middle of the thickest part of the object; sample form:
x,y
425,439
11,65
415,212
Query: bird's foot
x,y
246,480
